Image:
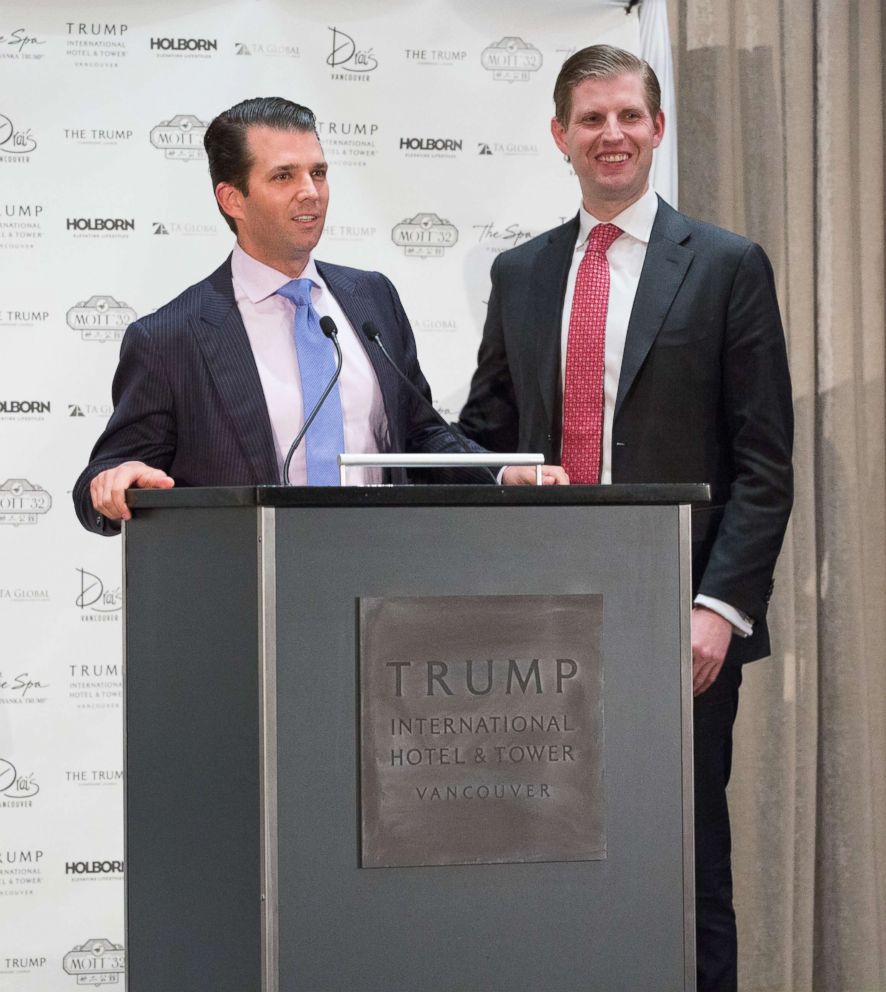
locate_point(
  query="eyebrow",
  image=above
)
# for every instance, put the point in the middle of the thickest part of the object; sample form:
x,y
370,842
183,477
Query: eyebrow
x,y
290,166
635,108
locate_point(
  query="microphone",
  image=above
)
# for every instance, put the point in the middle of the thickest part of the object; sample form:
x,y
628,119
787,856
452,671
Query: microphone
x,y
327,326
373,334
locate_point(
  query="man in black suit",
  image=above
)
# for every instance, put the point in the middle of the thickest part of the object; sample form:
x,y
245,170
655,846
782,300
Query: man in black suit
x,y
651,350
212,387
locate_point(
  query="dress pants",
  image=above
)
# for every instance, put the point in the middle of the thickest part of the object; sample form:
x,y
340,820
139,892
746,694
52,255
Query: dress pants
x,y
716,942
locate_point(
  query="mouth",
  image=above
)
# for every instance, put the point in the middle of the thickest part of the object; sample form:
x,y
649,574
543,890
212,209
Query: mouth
x,y
306,218
613,158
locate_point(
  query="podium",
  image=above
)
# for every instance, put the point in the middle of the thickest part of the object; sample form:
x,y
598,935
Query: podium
x,y
275,640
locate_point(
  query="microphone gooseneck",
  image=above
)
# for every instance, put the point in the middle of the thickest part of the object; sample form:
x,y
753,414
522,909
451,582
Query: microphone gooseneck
x,y
372,334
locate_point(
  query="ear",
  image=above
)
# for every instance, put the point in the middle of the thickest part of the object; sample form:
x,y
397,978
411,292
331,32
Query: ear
x,y
559,133
658,129
230,199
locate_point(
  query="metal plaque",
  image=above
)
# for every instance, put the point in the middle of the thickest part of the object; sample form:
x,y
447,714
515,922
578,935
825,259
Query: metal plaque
x,y
481,730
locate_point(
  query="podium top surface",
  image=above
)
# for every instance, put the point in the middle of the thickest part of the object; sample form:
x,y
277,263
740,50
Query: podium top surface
x,y
468,495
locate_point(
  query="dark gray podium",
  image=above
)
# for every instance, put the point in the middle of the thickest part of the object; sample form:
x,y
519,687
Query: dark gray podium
x,y
276,839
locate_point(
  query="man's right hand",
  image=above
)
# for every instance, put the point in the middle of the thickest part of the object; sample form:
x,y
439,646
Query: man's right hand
x,y
108,488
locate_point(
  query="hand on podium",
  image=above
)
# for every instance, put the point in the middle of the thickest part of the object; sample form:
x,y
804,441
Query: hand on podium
x,y
524,475
108,488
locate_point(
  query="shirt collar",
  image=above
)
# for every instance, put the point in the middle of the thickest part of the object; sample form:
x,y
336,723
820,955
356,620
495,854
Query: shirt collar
x,y
636,220
258,281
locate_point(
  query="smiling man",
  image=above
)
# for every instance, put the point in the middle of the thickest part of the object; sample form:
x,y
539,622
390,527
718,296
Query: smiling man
x,y
212,388
638,345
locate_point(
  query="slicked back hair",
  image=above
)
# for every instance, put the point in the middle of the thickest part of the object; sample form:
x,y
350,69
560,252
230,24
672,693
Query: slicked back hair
x,y
602,62
226,143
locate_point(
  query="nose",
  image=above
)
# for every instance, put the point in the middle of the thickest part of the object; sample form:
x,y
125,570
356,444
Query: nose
x,y
308,189
612,128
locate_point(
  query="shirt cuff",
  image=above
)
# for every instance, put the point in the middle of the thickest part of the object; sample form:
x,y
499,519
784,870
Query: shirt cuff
x,y
742,624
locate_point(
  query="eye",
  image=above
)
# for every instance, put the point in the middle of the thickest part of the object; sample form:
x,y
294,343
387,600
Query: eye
x,y
280,176
319,173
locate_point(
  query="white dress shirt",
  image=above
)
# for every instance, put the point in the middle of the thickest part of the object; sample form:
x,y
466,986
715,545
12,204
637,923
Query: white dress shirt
x,y
269,320
626,256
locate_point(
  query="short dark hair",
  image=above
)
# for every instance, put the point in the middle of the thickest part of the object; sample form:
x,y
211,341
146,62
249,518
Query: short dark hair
x,y
602,62
225,139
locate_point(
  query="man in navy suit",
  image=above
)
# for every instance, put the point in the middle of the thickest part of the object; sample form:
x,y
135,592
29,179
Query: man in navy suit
x,y
651,350
211,388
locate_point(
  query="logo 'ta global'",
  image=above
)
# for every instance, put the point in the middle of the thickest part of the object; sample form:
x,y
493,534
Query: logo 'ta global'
x,y
181,137
267,49
511,59
101,318
96,962
424,235
21,502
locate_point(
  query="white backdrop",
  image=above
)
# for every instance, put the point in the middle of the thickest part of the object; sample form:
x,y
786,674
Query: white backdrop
x,y
434,117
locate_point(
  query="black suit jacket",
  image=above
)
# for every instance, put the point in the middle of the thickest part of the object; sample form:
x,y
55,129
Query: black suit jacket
x,y
704,393
188,398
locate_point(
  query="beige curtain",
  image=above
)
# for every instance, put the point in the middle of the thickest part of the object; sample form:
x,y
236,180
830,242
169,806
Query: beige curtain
x,y
781,118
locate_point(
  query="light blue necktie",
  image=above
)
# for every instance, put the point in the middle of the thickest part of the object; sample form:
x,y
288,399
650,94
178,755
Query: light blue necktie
x,y
325,439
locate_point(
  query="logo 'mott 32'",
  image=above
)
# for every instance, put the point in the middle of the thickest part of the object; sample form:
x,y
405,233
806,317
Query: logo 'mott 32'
x,y
511,59
96,962
21,502
181,137
101,318
424,235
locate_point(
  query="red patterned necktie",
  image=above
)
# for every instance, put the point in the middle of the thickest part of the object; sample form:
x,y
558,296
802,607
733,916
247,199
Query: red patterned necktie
x,y
585,360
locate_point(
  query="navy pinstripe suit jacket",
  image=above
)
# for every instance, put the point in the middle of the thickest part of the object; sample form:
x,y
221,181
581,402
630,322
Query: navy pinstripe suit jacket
x,y
188,398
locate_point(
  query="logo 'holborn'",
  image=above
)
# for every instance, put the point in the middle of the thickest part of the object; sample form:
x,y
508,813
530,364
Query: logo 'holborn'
x,y
96,962
181,137
93,867
25,407
430,144
22,502
100,225
511,59
180,45
424,235
100,318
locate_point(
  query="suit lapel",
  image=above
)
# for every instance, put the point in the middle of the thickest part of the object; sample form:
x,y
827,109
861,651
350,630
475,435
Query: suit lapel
x,y
665,266
225,346
354,305
548,278
358,309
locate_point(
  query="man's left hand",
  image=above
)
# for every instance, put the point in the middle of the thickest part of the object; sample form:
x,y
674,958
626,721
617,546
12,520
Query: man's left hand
x,y
711,635
524,475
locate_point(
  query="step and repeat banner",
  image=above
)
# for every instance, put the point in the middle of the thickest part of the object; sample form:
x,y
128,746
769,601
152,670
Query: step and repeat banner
x,y
434,117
